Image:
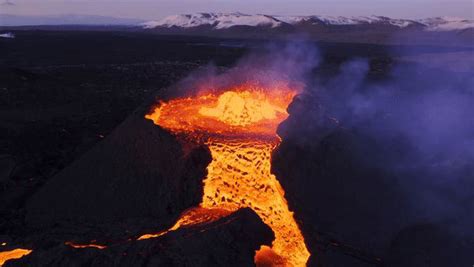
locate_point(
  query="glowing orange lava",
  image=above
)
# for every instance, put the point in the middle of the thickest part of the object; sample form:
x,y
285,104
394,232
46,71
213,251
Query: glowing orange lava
x,y
13,254
239,127
71,244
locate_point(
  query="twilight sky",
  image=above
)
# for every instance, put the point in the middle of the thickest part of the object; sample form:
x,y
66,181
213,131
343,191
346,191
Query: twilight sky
x,y
149,9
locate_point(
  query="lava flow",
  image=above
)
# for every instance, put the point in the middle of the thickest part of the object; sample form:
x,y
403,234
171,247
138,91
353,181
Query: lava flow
x,y
13,254
239,127
71,244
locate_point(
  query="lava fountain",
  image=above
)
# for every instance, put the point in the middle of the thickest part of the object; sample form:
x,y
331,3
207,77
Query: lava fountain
x,y
239,127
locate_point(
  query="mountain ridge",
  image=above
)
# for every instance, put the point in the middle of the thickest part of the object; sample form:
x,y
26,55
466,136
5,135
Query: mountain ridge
x,y
220,21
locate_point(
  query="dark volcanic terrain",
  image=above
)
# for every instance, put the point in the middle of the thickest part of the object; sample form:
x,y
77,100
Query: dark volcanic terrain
x,y
78,162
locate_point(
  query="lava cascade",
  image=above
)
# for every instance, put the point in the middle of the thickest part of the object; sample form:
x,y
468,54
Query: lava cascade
x,y
239,127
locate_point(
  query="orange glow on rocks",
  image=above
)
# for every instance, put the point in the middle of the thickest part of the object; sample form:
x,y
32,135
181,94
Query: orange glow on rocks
x,y
71,244
239,127
193,216
13,254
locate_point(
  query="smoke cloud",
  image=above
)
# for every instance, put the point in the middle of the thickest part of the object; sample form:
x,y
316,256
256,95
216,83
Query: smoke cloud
x,y
422,119
419,118
288,62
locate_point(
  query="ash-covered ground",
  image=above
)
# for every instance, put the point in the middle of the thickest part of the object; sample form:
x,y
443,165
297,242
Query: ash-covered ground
x,y
79,163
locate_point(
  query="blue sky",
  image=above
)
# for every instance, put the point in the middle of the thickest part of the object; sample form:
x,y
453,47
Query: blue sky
x,y
148,9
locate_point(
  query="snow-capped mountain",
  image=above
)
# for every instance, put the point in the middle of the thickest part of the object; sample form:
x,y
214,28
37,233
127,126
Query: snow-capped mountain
x,y
447,23
7,35
224,21
221,21
339,20
216,20
354,29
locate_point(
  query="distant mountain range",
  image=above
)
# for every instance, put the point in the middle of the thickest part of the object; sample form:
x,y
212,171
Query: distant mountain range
x,y
365,29
220,21
362,29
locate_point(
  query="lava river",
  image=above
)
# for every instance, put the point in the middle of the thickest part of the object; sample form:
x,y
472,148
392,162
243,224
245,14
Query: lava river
x,y
239,127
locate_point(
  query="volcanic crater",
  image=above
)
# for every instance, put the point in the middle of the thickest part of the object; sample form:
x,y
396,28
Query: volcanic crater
x,y
239,127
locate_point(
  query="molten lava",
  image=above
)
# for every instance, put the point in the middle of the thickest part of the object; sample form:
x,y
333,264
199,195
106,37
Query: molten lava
x,y
13,254
71,244
239,127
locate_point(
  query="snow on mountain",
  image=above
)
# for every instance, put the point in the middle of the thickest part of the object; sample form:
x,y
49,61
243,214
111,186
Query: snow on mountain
x,y
447,23
339,20
227,20
217,20
7,35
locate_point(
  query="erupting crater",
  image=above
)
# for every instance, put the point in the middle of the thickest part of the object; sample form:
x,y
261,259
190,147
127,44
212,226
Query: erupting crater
x,y
239,127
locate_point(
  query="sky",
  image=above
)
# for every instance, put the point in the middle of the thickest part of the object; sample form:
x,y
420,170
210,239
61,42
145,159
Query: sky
x,y
157,9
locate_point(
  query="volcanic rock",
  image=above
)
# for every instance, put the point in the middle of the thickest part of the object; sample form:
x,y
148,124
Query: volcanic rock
x,y
429,245
138,171
334,188
354,192
230,241
7,165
